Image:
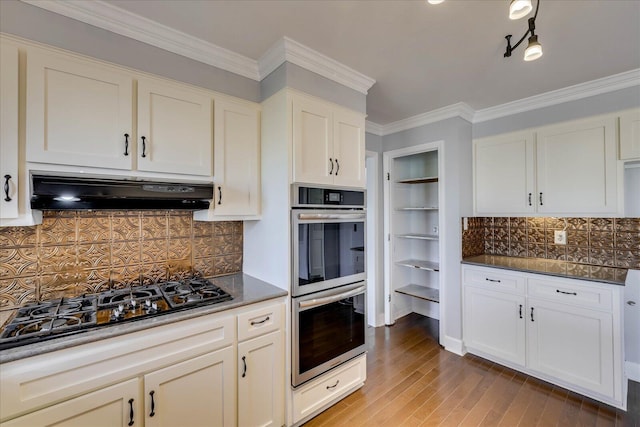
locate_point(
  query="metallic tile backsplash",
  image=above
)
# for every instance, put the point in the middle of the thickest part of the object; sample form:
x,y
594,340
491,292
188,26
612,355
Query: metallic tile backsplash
x,y
72,253
611,242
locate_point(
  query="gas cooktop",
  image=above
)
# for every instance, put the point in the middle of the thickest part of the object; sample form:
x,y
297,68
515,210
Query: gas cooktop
x,y
44,320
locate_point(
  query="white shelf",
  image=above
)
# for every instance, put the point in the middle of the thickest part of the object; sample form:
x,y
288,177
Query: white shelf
x,y
420,264
418,236
421,180
422,292
417,208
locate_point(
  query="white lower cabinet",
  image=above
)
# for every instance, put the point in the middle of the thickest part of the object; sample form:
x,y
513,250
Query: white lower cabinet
x,y
117,405
179,374
316,395
261,366
494,323
565,331
196,392
261,381
573,344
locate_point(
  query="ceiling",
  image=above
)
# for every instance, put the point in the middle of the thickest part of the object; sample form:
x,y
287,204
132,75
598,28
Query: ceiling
x,y
422,56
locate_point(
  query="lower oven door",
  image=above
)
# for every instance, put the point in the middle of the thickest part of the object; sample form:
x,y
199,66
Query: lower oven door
x,y
328,329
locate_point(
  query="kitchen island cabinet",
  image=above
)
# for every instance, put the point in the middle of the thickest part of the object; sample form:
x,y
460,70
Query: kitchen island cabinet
x,y
565,331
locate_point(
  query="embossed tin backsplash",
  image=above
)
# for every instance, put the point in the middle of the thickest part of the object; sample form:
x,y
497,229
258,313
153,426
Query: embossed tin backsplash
x,y
72,253
611,242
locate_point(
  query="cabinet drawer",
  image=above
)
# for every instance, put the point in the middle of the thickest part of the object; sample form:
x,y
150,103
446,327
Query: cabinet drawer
x,y
578,294
315,395
493,279
260,321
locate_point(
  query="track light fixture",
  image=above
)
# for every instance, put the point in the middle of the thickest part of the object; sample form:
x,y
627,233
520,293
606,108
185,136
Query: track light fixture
x,y
534,48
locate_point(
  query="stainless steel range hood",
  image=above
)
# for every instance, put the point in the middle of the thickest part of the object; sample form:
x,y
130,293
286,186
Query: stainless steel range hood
x,y
58,192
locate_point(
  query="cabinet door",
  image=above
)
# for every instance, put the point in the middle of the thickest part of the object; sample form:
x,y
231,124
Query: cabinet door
x,y
9,130
572,344
577,168
630,135
236,159
176,123
504,174
78,112
198,392
312,142
261,381
349,149
117,405
494,324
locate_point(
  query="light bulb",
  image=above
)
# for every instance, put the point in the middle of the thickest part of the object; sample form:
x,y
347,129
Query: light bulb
x,y
533,50
435,1
519,8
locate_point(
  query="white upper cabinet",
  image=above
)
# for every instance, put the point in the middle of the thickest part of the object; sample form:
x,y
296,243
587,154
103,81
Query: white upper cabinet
x,y
9,131
577,170
328,144
236,159
504,174
312,141
565,169
174,128
78,112
349,148
630,135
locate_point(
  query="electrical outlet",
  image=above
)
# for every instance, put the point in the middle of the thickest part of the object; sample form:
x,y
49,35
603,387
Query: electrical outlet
x,y
465,223
560,237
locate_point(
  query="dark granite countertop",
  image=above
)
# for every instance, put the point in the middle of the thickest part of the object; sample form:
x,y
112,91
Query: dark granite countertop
x,y
245,290
571,270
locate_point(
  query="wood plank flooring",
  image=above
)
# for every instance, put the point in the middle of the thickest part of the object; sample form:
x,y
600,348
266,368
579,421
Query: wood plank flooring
x,y
412,381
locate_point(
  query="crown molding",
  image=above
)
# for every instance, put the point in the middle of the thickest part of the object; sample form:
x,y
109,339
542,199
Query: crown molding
x,y
570,93
374,128
112,18
120,21
288,50
460,109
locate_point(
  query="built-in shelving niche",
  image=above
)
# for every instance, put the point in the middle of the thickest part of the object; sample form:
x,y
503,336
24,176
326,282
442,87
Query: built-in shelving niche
x,y
412,224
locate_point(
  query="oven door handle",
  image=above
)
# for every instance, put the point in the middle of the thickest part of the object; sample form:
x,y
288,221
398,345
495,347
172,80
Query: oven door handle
x,y
327,300
320,216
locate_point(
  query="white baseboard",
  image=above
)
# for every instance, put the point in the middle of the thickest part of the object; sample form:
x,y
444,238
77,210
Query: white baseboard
x,y
453,345
632,370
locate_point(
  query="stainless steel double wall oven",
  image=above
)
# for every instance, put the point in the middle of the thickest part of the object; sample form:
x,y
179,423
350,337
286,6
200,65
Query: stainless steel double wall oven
x,y
328,304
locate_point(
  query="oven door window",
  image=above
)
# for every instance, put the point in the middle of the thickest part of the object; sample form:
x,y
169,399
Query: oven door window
x,y
329,251
328,331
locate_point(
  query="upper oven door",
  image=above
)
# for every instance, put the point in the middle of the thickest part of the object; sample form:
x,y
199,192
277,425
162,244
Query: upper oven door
x,y
328,249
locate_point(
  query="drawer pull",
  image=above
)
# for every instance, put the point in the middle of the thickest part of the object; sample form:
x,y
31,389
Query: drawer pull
x,y
329,387
492,280
566,293
532,315
254,323
521,311
130,412
153,404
